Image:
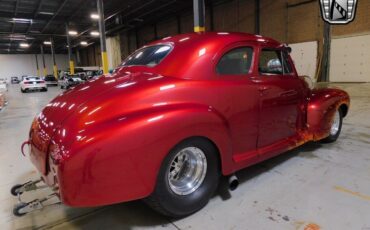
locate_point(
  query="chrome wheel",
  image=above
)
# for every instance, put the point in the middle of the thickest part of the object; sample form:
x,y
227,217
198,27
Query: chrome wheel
x,y
336,124
187,171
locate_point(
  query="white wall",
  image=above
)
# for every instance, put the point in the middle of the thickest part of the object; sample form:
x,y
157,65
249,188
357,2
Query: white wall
x,y
25,64
304,56
350,59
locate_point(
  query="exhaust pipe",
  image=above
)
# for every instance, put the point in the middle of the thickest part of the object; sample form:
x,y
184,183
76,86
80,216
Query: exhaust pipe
x,y
233,182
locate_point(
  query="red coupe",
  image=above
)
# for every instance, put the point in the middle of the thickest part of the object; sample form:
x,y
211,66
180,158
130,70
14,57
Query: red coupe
x,y
175,116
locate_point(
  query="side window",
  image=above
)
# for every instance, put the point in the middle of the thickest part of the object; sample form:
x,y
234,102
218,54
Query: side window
x,y
235,62
274,62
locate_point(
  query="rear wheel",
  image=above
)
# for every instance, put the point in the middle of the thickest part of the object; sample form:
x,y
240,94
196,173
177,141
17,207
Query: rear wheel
x,y
188,177
44,89
335,128
23,90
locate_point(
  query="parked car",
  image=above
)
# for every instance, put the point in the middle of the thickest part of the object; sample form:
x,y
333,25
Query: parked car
x,y
3,84
31,83
14,80
93,74
50,80
70,81
175,116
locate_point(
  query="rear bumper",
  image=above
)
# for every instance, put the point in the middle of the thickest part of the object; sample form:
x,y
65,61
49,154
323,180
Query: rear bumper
x,y
34,87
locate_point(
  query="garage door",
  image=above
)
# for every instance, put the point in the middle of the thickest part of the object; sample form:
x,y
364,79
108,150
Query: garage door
x,y
305,58
350,59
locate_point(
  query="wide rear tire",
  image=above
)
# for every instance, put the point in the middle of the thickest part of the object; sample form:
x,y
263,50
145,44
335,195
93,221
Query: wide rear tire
x,y
188,177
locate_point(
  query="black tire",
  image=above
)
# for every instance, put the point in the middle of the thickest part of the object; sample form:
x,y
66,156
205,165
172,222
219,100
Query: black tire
x,y
333,137
14,189
44,89
62,87
17,208
23,91
165,201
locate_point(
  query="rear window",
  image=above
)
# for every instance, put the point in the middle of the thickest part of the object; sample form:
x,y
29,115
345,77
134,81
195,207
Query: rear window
x,y
50,78
148,56
32,78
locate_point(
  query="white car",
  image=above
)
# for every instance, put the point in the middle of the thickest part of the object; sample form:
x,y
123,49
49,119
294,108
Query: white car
x,y
33,83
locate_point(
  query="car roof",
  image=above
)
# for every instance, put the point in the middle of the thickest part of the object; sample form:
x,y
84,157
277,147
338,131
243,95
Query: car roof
x,y
220,37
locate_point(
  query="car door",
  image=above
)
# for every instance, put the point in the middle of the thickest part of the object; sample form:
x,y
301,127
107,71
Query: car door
x,y
238,100
281,95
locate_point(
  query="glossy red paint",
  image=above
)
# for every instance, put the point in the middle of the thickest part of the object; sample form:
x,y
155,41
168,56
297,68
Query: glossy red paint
x,y
103,141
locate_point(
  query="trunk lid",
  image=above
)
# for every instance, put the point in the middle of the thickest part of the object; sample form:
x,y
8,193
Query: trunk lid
x,y
53,115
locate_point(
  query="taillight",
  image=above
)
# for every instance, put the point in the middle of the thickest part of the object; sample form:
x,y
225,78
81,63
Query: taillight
x,y
42,81
27,82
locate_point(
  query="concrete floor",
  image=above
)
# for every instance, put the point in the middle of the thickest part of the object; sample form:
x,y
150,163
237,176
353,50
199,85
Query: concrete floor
x,y
313,187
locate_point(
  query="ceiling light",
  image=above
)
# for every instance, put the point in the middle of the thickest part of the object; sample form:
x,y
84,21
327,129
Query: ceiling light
x,y
94,33
94,16
47,42
72,32
21,20
83,43
46,13
24,45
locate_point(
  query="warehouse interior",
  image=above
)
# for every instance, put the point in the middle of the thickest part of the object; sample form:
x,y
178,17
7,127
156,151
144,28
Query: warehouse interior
x,y
315,186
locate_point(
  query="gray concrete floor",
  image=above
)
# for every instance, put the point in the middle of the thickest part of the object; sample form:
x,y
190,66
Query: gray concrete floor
x,y
313,187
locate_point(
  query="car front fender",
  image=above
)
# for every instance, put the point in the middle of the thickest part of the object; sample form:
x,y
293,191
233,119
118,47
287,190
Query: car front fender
x,y
322,105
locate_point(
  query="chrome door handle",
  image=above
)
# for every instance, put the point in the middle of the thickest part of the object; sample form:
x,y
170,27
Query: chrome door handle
x,y
289,93
263,89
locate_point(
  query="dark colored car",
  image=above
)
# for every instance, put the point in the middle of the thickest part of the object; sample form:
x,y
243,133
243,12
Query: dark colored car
x,y
14,80
50,80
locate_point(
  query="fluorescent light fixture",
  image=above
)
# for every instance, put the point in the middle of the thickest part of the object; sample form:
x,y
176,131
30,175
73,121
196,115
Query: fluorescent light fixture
x,y
24,45
72,32
46,13
94,33
21,20
94,16
47,42
83,43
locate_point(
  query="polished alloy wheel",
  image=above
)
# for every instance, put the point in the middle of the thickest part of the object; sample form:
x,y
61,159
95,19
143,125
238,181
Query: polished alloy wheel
x,y
187,171
336,124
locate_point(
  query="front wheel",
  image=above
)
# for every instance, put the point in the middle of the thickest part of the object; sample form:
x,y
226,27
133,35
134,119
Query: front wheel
x,y
335,128
188,177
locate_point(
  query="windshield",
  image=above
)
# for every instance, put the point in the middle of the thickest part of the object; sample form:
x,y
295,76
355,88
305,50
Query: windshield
x,y
148,56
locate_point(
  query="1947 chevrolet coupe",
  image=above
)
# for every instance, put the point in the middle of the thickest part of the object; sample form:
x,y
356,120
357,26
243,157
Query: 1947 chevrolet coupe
x,y
175,116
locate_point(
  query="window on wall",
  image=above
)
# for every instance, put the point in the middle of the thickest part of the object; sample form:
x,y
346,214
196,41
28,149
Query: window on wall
x,y
274,62
235,62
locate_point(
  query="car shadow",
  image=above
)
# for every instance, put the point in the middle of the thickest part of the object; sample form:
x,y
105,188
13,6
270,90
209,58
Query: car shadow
x,y
251,172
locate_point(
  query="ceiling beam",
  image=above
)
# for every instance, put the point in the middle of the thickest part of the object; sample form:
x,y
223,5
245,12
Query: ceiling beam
x,y
55,14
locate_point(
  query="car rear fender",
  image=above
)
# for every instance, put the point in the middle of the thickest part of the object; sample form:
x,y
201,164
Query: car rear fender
x,y
321,109
122,156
